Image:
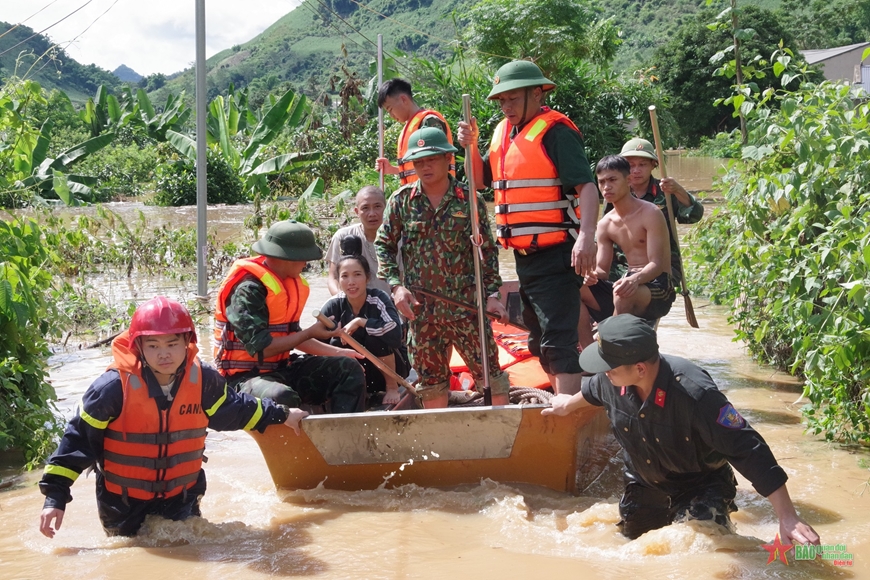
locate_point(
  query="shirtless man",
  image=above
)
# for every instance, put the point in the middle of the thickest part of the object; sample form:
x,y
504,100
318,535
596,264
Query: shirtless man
x,y
639,229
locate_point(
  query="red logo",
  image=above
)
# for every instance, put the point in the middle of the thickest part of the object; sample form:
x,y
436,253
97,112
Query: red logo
x,y
778,550
421,142
660,397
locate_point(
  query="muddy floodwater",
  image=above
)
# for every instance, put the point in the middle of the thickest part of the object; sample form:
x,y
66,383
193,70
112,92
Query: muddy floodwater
x,y
490,530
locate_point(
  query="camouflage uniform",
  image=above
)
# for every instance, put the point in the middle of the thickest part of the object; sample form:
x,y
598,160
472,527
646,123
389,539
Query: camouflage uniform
x,y
436,252
312,380
685,215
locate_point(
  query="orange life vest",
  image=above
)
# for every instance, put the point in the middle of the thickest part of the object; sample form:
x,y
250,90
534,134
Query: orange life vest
x,y
406,168
531,211
150,453
285,300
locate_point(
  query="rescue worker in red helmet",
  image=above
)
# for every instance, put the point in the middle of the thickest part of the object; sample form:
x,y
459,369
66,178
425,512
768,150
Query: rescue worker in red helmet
x,y
142,425
546,206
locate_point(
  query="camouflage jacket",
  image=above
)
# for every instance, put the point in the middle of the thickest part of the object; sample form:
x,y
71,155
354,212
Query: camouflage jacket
x,y
435,246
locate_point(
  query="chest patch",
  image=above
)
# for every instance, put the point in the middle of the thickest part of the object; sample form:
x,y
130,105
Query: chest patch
x,y
660,398
730,418
190,409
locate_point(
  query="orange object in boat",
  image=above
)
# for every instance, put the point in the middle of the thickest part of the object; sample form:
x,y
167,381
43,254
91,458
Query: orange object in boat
x,y
514,358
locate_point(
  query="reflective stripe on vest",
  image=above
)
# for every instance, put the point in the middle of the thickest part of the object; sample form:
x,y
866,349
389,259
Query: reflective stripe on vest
x,y
406,168
531,209
150,453
285,300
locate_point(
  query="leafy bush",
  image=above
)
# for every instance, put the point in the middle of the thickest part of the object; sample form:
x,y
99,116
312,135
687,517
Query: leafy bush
x,y
176,182
791,249
28,314
723,145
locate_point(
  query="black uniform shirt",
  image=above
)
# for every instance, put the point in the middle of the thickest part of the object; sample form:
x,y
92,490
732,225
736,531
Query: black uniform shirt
x,y
683,431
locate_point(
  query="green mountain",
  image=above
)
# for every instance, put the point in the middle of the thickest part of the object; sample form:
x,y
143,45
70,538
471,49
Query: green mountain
x,y
34,56
309,45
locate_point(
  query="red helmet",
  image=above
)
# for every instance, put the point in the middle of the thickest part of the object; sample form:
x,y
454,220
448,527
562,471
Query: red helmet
x,y
161,315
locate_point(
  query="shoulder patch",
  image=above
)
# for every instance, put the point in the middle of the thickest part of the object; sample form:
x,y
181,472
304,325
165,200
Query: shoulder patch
x,y
730,418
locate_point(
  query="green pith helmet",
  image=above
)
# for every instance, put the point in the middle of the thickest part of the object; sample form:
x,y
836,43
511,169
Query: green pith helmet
x,y
427,142
517,75
638,147
289,240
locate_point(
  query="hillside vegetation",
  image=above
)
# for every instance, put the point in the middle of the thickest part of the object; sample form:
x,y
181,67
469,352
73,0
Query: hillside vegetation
x,y
35,56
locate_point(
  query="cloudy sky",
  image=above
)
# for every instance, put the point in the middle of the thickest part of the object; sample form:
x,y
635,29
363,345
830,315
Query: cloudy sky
x,y
149,36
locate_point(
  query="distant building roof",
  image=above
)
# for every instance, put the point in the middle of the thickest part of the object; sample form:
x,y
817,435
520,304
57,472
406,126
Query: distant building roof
x,y
814,56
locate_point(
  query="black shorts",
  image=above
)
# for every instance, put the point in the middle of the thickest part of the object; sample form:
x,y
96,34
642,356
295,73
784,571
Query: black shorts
x,y
643,508
662,296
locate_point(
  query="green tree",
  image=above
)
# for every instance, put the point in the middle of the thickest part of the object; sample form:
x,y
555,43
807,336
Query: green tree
x,y
790,251
28,314
826,23
550,32
687,74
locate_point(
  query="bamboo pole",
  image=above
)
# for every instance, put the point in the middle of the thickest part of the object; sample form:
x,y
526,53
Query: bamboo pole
x,y
380,110
476,244
687,301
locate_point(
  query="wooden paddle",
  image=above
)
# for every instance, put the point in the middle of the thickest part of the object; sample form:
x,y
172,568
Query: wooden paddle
x,y
382,366
687,301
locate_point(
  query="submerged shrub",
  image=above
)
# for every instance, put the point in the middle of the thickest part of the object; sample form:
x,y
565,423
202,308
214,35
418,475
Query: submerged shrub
x,y
176,182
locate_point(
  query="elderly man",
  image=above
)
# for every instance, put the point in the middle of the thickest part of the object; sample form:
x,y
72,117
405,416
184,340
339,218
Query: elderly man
x,y
546,211
430,218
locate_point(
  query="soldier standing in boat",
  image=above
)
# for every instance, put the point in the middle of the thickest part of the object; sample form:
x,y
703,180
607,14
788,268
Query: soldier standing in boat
x,y
397,99
430,218
543,185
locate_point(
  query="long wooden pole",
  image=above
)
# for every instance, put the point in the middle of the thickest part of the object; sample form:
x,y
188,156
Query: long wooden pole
x,y
382,366
476,244
380,110
461,304
687,301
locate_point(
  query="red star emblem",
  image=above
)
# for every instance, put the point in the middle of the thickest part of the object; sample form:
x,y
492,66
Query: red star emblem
x,y
778,550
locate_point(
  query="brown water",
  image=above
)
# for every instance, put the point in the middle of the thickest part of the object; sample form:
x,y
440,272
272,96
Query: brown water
x,y
250,530
488,531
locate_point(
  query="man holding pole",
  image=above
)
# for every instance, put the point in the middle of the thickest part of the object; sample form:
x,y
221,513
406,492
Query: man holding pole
x,y
396,98
543,185
431,219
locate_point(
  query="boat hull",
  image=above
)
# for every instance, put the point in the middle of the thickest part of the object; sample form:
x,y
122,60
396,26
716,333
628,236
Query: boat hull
x,y
440,448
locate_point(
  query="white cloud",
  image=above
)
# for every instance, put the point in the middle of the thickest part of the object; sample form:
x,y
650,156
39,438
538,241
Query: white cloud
x,y
148,36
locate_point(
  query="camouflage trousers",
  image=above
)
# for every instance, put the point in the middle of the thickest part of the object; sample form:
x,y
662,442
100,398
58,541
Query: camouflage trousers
x,y
430,345
313,380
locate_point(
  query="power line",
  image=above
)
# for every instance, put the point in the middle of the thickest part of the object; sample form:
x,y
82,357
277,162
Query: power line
x,y
91,24
28,18
46,28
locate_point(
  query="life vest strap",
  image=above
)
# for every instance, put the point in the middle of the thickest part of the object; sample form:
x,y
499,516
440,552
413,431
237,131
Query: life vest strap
x,y
227,364
156,438
408,173
505,208
532,228
286,327
151,486
502,184
154,463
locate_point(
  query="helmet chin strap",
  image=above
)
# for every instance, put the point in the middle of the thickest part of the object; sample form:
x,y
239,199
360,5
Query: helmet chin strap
x,y
524,119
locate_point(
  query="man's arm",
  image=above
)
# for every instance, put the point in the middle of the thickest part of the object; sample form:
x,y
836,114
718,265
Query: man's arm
x,y
604,255
583,254
688,209
332,280
791,526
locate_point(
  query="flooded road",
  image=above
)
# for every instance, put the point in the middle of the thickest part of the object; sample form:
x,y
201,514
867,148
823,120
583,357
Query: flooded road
x,y
250,530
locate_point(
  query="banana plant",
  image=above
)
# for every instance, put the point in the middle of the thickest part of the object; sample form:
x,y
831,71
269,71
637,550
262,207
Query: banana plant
x,y
105,112
231,121
47,174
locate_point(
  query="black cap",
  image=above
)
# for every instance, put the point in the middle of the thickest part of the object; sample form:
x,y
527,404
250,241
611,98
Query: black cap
x,y
622,340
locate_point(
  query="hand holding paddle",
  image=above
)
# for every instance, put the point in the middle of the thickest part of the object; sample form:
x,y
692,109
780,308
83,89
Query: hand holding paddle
x,y
382,366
